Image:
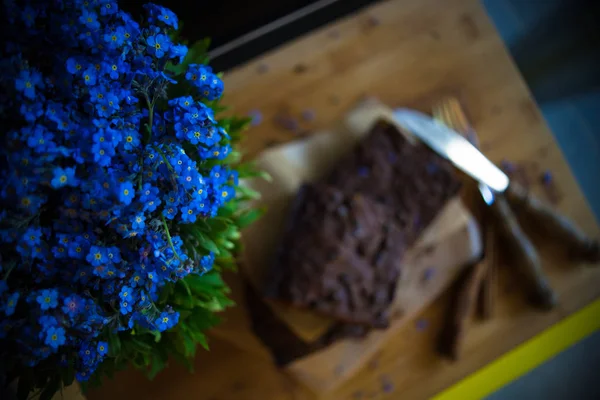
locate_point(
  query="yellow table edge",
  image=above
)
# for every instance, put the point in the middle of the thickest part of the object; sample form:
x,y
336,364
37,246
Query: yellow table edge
x,y
526,356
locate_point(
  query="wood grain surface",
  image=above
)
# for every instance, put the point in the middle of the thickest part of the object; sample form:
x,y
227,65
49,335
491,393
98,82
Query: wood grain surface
x,y
398,51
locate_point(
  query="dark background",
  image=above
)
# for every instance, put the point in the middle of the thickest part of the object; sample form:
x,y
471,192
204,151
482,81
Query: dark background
x,y
226,20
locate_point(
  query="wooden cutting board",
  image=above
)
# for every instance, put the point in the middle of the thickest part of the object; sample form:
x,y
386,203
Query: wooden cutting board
x,y
451,242
306,160
398,51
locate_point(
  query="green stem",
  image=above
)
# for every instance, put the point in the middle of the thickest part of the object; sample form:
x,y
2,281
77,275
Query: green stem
x,y
169,240
164,157
8,272
150,105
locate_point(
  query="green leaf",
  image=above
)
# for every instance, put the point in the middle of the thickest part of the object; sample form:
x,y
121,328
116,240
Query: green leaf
x,y
140,345
250,170
25,385
219,224
209,284
158,364
246,193
175,34
196,55
201,338
247,217
203,225
165,293
68,373
114,344
189,345
207,243
233,158
183,295
51,388
202,320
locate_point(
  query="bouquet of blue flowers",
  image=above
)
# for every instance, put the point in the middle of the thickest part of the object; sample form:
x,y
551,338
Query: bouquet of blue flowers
x,y
119,193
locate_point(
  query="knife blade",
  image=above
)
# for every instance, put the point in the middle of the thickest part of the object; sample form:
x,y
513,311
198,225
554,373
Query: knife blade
x,y
452,146
464,155
524,253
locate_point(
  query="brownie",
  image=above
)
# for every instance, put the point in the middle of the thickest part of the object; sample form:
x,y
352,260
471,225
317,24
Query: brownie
x,y
412,180
340,257
342,248
284,346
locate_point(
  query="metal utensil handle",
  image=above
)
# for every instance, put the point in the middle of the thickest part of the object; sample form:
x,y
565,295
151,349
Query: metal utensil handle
x,y
580,245
525,254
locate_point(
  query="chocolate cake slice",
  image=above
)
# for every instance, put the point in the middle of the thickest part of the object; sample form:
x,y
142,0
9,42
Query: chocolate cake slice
x,y
413,181
342,250
284,346
340,257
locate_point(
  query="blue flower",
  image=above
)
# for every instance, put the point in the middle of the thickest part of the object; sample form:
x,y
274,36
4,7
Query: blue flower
x,y
64,177
55,337
126,306
162,14
137,221
102,348
227,193
89,181
108,8
11,303
27,81
114,254
132,140
89,76
188,214
47,321
89,19
32,236
158,45
178,51
125,293
47,299
126,192
116,38
170,212
88,354
29,14
166,320
97,256
72,305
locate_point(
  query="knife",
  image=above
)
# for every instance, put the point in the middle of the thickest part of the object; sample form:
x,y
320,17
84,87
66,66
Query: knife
x,y
440,138
454,147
